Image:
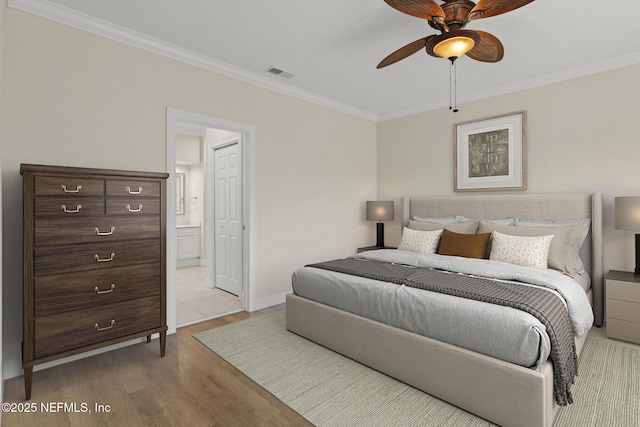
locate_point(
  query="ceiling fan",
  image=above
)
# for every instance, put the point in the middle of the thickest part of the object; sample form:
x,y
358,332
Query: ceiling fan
x,y
451,19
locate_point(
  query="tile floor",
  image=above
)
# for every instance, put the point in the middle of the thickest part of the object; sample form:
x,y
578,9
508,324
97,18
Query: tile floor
x,y
197,302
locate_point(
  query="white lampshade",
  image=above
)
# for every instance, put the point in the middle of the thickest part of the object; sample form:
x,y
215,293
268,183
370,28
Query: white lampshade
x,y
379,211
627,213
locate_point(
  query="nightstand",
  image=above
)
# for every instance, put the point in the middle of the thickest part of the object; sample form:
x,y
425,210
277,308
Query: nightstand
x,y
623,306
374,248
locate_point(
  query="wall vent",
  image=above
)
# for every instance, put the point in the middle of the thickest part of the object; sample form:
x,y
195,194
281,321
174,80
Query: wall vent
x,y
280,73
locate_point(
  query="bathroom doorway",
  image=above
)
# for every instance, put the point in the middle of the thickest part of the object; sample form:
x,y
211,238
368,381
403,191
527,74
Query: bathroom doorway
x,y
191,259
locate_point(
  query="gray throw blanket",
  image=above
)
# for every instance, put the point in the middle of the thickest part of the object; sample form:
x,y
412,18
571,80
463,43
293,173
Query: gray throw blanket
x,y
543,305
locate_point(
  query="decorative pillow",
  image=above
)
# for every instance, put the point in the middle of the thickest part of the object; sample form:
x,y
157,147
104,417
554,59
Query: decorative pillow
x,y
561,250
585,222
452,219
420,241
468,227
464,245
530,251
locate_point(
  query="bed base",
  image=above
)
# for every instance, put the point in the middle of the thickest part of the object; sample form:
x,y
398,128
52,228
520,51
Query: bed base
x,y
498,391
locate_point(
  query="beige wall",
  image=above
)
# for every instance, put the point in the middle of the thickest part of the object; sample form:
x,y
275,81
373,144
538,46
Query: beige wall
x,y
76,99
581,137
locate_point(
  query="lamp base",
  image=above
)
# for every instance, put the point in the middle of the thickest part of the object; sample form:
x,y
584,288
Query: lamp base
x,y
380,235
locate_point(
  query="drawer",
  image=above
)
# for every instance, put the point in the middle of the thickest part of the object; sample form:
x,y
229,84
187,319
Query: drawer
x,y
85,289
74,329
133,187
187,231
68,207
622,290
98,256
63,231
68,186
133,206
623,330
623,310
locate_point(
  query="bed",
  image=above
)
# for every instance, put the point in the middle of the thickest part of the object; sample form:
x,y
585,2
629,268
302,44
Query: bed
x,y
500,391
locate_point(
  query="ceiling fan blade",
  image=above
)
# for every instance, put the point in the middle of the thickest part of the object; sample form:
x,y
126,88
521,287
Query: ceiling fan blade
x,y
487,8
404,52
488,49
425,9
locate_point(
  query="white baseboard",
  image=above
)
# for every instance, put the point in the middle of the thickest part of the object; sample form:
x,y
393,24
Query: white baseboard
x,y
187,262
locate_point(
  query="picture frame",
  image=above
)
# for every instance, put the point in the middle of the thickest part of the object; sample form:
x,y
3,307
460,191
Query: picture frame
x,y
491,153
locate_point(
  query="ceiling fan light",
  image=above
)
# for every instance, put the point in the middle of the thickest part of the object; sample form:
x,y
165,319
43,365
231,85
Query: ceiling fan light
x,y
454,47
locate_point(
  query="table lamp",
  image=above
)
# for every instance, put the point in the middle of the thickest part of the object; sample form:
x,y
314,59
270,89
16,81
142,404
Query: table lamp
x,y
379,211
628,218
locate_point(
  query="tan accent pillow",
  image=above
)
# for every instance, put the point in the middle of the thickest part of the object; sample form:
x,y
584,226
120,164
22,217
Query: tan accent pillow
x,y
467,227
561,250
464,245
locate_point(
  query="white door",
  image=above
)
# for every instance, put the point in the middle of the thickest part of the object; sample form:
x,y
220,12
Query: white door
x,y
228,219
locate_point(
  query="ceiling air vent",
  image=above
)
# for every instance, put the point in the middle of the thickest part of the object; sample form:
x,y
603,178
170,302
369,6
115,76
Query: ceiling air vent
x,y
280,73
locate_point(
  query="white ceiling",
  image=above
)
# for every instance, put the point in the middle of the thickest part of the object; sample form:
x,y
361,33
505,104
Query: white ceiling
x,y
333,46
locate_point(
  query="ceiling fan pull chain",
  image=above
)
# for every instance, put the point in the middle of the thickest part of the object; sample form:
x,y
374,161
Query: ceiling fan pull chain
x,y
450,87
453,89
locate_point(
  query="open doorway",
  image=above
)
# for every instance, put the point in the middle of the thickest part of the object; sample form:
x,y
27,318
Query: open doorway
x,y
208,224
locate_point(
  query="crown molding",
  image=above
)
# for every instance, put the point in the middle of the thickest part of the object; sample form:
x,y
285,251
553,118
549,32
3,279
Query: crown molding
x,y
75,19
81,21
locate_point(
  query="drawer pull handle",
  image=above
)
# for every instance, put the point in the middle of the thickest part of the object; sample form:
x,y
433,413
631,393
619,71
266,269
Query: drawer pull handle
x,y
134,210
77,190
108,291
134,191
105,233
76,210
97,257
98,328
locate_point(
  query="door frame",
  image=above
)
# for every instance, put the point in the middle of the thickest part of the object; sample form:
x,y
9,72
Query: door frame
x,y
211,147
175,118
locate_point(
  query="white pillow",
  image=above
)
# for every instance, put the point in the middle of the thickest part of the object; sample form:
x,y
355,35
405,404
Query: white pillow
x,y
530,251
468,227
453,219
561,250
500,221
420,241
585,222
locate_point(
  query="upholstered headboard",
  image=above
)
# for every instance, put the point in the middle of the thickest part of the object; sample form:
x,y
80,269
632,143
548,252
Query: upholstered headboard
x,y
553,206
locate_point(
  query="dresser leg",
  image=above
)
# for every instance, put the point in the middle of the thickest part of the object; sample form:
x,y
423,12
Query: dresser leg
x,y
28,379
163,342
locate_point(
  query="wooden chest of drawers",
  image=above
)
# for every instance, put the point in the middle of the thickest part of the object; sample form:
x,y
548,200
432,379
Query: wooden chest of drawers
x,y
94,260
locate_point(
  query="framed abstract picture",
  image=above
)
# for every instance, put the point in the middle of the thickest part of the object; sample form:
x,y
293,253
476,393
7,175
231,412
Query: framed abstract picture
x,y
491,153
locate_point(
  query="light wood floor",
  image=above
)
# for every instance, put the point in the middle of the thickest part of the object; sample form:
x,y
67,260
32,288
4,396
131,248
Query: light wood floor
x,y
190,386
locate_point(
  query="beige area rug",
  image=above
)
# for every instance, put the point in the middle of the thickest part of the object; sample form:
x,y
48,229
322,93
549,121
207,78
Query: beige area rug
x,y
331,390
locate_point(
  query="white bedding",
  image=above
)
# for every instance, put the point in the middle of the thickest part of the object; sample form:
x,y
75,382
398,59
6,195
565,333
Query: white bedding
x,y
500,332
